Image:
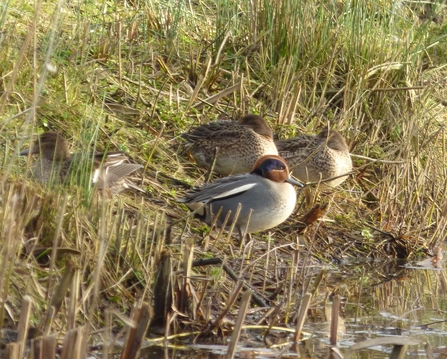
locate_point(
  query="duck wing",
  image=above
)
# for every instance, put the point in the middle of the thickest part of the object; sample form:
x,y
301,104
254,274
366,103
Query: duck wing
x,y
222,188
297,144
230,130
111,168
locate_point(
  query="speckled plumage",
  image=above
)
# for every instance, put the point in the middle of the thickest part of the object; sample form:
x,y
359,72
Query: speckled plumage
x,y
267,190
313,158
238,144
55,164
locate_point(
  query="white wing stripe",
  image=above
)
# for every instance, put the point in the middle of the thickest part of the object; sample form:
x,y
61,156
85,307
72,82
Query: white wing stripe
x,y
234,191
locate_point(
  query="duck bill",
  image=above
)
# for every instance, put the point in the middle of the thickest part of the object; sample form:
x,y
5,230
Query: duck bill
x,y
25,152
295,182
33,150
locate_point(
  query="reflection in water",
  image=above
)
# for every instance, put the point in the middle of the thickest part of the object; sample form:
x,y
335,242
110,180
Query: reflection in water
x,y
156,352
384,299
379,299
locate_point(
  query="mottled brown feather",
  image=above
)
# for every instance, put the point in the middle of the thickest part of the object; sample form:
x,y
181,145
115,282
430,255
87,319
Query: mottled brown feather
x,y
238,144
313,158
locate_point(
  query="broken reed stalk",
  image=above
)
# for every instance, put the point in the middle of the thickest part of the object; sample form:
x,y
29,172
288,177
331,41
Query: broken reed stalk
x,y
215,218
246,255
73,300
236,216
62,288
75,344
140,318
44,347
58,296
12,351
267,260
24,324
398,351
334,319
243,234
10,218
107,336
188,254
213,164
428,351
302,314
49,320
162,291
245,302
291,274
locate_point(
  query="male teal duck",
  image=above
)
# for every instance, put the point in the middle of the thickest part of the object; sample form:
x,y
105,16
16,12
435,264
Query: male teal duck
x,y
235,146
266,192
314,158
55,164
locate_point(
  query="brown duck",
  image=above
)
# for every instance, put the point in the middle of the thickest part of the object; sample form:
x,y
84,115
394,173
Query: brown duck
x,y
234,145
314,158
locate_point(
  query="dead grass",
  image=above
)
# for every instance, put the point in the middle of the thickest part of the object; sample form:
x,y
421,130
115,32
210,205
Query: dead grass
x,y
134,76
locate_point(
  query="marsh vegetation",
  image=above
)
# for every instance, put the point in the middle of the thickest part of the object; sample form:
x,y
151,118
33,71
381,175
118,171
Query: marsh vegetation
x,y
133,76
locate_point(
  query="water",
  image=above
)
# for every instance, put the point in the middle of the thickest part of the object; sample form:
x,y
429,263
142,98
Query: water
x,y
379,300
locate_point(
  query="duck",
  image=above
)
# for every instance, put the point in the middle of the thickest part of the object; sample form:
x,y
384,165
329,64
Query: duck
x,y
231,147
317,158
266,195
56,165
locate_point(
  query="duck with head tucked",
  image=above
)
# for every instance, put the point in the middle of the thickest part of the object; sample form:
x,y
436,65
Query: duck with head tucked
x,y
233,146
55,164
266,192
314,158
